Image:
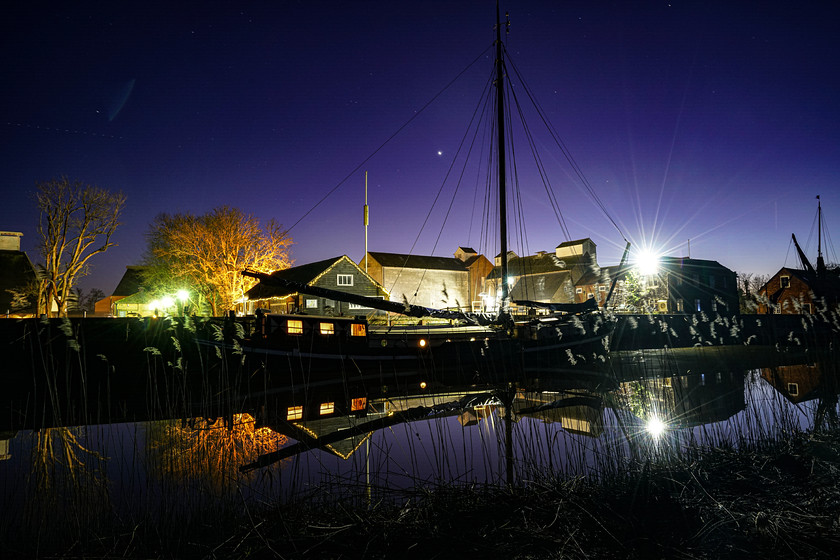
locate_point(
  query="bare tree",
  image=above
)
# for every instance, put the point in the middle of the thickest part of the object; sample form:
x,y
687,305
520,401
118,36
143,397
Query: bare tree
x,y
76,222
209,252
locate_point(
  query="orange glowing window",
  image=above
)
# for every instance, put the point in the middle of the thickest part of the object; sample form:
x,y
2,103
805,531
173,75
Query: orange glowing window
x,y
327,408
358,404
294,413
294,326
327,328
357,329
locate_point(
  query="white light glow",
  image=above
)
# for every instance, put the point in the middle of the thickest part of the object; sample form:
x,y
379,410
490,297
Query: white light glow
x,y
655,427
183,295
647,262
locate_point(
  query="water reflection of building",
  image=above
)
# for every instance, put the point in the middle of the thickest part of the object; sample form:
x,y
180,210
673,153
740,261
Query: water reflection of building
x,y
797,383
343,434
687,400
575,412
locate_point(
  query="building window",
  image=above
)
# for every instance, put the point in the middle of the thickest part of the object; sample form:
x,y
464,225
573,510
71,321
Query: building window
x,y
294,413
602,288
345,280
327,408
806,308
312,304
712,282
793,389
358,404
327,328
695,278
785,281
662,306
680,306
697,305
578,290
294,326
357,329
356,306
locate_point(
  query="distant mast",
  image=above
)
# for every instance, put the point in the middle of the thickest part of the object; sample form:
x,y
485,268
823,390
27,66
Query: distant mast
x,y
820,260
500,113
366,220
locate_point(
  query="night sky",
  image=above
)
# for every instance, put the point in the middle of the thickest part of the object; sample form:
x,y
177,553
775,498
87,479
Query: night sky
x,y
710,121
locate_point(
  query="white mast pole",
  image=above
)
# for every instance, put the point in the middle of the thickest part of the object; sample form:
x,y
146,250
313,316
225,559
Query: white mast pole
x,y
366,224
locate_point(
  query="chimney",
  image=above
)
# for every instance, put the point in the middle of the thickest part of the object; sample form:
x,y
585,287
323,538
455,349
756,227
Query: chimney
x,y
10,240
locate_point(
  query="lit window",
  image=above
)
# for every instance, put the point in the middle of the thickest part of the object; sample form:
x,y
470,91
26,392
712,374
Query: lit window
x,y
663,306
356,306
785,281
358,404
312,304
357,329
578,290
602,288
793,389
327,328
327,408
680,306
294,326
294,413
345,280
806,308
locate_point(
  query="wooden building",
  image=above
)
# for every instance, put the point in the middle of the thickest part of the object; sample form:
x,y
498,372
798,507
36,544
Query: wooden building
x,y
338,273
130,284
794,291
438,282
18,290
547,277
681,285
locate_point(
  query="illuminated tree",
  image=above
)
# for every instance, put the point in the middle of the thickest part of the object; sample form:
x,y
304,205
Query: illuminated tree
x,y
206,254
76,222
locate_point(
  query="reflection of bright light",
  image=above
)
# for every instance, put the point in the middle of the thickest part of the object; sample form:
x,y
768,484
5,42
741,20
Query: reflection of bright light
x,y
647,262
422,342
655,427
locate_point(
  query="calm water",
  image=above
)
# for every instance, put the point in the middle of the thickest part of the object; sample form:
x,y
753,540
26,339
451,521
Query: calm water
x,y
576,422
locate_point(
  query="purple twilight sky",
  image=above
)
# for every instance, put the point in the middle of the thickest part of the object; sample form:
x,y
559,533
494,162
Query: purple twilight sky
x,y
710,121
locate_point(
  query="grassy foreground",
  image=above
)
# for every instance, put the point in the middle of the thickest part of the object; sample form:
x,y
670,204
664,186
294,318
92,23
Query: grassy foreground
x,y
770,500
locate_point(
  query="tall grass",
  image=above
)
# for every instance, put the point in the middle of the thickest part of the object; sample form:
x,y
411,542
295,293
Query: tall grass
x,y
171,487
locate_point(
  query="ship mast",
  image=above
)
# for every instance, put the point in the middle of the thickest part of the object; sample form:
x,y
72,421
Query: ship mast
x,y
500,114
820,260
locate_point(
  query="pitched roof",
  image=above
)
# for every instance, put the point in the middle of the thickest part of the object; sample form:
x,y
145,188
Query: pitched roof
x,y
16,271
399,260
131,282
304,274
576,242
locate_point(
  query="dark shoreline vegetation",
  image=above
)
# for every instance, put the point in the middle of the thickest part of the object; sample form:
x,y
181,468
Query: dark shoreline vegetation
x,y
169,486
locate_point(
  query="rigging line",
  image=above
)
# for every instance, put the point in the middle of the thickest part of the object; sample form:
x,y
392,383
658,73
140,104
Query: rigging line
x,y
400,129
440,190
484,143
564,150
555,204
463,170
